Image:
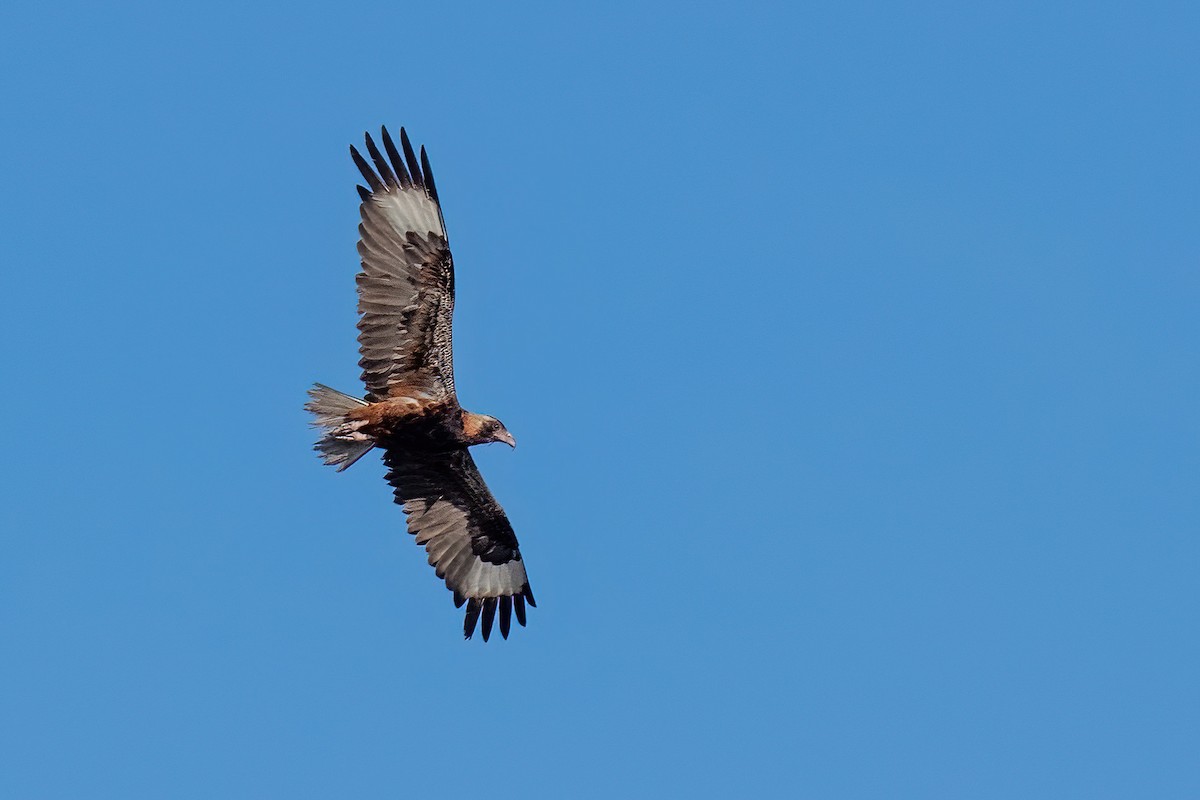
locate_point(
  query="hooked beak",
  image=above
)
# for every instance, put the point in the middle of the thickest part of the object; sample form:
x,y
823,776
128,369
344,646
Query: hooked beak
x,y
507,438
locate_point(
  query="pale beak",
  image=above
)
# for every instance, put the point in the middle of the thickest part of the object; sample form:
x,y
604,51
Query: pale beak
x,y
507,438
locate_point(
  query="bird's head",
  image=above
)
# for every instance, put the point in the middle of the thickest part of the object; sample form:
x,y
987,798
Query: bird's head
x,y
482,429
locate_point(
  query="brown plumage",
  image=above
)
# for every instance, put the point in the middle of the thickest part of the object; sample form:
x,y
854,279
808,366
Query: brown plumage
x,y
411,411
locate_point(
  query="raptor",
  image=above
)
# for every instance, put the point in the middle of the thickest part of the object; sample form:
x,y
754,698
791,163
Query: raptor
x,y
410,410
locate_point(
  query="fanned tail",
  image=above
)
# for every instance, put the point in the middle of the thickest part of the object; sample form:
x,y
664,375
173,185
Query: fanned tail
x,y
342,444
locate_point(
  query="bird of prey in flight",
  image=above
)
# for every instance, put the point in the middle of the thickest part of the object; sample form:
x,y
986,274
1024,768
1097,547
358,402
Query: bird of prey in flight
x,y
410,410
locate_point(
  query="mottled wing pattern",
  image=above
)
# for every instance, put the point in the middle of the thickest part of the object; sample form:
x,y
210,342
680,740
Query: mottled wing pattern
x,y
406,287
465,532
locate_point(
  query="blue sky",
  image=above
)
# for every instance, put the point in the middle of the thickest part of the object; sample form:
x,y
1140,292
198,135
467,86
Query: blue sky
x,y
851,349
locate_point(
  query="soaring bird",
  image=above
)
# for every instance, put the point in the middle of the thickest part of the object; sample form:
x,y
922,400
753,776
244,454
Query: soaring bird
x,y
410,410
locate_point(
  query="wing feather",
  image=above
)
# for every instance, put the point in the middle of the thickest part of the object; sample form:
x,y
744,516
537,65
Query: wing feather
x,y
397,162
519,607
368,173
489,616
381,165
472,617
414,169
506,604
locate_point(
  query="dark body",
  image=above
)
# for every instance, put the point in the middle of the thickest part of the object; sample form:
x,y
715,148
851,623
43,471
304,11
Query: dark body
x,y
395,423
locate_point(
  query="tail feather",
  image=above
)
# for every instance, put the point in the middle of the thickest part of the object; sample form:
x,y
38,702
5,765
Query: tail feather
x,y
342,443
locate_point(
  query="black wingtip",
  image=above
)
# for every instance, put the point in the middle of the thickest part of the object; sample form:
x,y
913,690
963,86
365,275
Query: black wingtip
x,y
368,173
525,590
363,192
506,605
519,607
473,609
381,164
410,157
430,186
389,147
459,600
489,616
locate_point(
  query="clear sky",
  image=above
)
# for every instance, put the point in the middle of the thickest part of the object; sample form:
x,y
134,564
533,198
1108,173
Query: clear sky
x,y
851,349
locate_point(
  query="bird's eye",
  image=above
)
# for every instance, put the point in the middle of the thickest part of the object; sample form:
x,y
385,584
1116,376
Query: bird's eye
x,y
495,425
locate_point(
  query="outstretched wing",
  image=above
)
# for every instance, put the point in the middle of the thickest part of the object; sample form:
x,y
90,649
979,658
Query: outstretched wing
x,y
465,532
406,287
